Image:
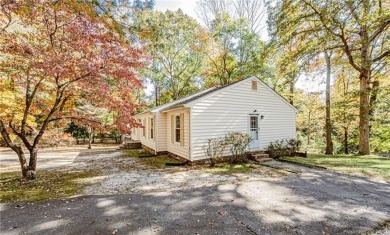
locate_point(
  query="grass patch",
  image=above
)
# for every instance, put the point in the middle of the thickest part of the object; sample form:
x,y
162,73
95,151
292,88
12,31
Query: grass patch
x,y
232,168
135,153
154,161
95,152
372,165
48,185
158,161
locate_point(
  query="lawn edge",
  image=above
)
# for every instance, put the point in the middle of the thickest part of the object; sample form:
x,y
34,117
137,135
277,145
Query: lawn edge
x,y
303,164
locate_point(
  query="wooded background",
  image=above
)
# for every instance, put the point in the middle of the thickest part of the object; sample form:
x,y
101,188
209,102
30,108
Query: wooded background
x,y
65,67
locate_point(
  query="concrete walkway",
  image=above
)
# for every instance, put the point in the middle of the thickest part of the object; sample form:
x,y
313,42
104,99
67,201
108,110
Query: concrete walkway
x,y
311,202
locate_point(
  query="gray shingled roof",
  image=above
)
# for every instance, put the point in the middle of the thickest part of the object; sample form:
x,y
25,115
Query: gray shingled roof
x,y
188,99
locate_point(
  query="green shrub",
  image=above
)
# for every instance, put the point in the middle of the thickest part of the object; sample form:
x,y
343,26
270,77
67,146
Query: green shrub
x,y
214,150
282,148
294,144
238,143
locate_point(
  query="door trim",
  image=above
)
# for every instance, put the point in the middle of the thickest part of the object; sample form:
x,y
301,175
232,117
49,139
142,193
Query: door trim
x,y
255,143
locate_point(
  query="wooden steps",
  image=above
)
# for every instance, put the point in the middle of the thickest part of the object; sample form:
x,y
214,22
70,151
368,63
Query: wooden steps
x,y
131,145
261,156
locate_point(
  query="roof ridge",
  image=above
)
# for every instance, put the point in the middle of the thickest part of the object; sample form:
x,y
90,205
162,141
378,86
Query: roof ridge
x,y
174,102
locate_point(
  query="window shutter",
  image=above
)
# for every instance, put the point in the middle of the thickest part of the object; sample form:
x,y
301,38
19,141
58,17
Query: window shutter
x,y
172,129
182,129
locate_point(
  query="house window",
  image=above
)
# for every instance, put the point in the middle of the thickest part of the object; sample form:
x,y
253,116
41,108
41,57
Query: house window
x,y
177,129
254,85
151,128
143,127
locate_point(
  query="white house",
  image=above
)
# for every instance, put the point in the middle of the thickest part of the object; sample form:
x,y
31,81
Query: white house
x,y
183,127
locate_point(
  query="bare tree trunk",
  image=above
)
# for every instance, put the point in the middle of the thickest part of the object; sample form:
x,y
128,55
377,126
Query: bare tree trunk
x,y
373,98
308,129
90,135
328,125
346,140
16,148
22,160
122,139
30,173
364,119
291,97
364,77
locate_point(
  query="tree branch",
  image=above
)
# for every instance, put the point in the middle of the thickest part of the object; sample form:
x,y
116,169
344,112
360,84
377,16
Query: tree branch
x,y
383,55
21,136
380,30
7,15
75,80
48,117
6,137
74,118
29,99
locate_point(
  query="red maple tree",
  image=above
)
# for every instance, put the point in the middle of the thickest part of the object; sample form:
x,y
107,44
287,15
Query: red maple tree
x,y
54,54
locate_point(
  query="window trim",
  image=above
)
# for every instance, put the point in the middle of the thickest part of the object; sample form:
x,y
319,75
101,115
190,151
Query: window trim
x,y
151,128
175,129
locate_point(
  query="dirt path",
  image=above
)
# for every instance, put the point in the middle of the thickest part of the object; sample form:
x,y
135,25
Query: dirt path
x,y
130,175
52,158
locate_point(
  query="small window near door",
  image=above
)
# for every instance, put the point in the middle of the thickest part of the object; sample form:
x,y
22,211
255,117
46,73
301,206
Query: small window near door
x,y
177,129
151,128
254,85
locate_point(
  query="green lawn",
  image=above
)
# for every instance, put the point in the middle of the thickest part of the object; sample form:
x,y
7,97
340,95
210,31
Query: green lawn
x,y
145,157
160,162
226,168
372,165
48,185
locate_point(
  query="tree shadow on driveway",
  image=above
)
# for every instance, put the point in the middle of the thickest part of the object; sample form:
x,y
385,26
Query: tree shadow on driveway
x,y
315,202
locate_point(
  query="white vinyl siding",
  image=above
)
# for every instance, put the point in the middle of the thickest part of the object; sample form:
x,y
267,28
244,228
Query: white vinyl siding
x,y
161,131
216,114
146,139
229,109
180,149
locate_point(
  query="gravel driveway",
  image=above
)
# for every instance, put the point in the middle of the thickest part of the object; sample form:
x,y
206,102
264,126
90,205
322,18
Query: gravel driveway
x,y
308,202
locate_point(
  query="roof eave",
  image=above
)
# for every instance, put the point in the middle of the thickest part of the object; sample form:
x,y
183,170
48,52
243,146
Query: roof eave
x,y
180,106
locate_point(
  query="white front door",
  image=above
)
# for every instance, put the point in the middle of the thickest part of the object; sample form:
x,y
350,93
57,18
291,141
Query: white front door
x,y
254,131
